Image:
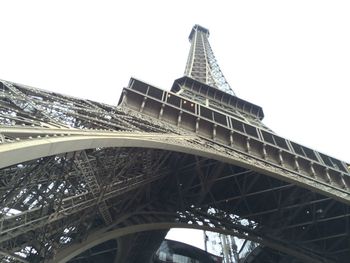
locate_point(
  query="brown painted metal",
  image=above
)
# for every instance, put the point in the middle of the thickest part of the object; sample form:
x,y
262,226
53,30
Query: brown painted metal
x,y
75,174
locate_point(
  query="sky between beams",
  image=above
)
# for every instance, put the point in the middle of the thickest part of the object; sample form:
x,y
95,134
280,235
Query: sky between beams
x,y
291,58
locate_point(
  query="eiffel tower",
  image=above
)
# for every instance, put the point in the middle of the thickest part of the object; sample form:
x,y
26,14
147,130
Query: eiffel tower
x,y
82,181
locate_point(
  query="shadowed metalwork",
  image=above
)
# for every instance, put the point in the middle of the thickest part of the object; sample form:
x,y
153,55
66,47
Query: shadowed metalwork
x,y
82,181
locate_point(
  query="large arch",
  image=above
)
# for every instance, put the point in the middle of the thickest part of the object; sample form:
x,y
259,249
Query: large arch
x,y
101,236
18,152
25,150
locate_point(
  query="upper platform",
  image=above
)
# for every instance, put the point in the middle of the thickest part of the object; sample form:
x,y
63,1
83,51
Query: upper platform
x,y
230,130
215,98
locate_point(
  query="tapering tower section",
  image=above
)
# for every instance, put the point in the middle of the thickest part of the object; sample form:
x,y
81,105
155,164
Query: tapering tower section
x,y
294,209
205,84
201,63
82,181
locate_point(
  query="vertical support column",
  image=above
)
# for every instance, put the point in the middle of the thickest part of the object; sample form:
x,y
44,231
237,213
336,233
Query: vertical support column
x,y
124,98
143,104
328,178
264,152
248,144
214,131
312,169
345,186
161,111
280,157
231,138
179,118
197,125
296,163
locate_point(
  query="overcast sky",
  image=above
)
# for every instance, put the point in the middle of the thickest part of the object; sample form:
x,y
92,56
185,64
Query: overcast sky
x,y
290,57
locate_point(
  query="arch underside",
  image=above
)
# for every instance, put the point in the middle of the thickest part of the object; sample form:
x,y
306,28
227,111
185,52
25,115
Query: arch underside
x,y
80,174
149,189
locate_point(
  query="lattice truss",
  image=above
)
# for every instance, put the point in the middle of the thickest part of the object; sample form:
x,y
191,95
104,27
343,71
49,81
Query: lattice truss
x,y
27,106
47,200
55,204
202,64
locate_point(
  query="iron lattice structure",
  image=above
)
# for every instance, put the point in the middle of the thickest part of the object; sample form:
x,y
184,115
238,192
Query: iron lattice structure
x,y
201,63
82,181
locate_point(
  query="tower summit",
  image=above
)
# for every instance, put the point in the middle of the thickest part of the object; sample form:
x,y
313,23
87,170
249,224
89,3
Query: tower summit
x,y
82,181
201,63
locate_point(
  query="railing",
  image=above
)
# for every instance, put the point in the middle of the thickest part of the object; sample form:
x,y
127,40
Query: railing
x,y
234,132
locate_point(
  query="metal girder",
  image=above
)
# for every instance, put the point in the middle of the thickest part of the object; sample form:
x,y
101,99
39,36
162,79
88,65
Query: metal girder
x,y
187,168
84,165
201,63
236,135
209,223
78,199
75,173
20,151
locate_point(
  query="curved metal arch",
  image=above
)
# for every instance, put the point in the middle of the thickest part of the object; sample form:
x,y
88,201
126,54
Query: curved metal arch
x,y
102,236
18,152
21,151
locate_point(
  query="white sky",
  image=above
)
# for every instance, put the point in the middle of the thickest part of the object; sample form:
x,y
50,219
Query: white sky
x,y
290,57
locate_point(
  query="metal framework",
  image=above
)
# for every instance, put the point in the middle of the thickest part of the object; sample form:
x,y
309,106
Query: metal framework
x,y
82,181
201,63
